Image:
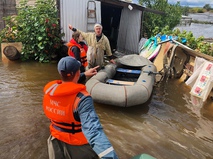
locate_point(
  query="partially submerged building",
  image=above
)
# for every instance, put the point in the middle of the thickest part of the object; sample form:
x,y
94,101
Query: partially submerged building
x,y
122,21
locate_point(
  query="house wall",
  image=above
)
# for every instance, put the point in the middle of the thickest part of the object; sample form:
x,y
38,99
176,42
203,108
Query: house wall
x,y
75,13
30,2
8,7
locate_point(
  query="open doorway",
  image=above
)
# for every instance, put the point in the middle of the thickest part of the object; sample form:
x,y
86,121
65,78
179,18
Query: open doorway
x,y
110,19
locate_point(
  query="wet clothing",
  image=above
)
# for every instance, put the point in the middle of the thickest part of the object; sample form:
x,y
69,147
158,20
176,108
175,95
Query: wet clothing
x,y
97,48
74,107
79,52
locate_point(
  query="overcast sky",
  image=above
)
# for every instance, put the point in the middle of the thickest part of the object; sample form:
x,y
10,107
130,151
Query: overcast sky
x,y
192,3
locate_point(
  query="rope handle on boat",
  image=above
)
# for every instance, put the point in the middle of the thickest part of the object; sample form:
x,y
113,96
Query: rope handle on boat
x,y
151,73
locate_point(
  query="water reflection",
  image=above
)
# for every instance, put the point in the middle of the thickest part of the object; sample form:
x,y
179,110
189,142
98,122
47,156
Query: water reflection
x,y
200,29
205,127
194,104
23,128
167,126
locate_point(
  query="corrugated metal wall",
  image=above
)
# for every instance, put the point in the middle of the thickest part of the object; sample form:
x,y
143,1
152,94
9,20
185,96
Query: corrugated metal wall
x,y
129,31
74,12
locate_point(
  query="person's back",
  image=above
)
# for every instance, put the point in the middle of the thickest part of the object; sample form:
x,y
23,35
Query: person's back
x,y
75,128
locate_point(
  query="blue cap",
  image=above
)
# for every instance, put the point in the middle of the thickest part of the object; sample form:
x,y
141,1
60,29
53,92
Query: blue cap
x,y
68,65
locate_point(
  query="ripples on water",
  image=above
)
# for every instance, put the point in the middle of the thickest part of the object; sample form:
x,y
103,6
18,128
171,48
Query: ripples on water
x,y
205,17
200,29
23,128
167,126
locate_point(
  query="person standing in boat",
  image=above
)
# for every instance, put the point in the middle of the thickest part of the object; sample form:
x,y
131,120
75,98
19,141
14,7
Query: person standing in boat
x,y
76,132
98,46
78,49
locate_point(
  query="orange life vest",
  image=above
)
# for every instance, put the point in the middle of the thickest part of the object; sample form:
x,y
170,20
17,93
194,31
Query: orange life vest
x,y
60,104
83,51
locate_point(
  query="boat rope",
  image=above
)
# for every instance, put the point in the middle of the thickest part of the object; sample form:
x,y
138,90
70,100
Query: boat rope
x,y
151,73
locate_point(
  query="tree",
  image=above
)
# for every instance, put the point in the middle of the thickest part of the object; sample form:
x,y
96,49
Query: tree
x,y
171,18
39,30
37,27
185,10
207,7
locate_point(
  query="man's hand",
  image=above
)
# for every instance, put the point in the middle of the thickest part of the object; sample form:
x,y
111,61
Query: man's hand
x,y
112,61
91,72
70,27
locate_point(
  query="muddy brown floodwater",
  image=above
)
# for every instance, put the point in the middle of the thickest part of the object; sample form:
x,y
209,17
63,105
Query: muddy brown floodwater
x,y
167,126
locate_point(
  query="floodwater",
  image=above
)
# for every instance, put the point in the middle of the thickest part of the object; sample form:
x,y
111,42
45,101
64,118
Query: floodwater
x,y
200,29
167,126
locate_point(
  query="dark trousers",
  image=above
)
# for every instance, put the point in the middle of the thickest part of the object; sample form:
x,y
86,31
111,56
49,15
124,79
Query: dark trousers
x,y
61,150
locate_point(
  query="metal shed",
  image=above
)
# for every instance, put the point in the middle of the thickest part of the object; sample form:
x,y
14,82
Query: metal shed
x,y
121,20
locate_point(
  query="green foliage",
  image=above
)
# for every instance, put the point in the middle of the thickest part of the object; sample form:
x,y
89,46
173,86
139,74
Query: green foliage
x,y
207,7
192,10
196,44
196,10
185,10
9,33
171,18
38,29
200,10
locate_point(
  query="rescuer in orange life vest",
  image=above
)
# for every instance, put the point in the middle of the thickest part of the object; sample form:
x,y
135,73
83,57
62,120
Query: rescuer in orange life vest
x,y
76,132
78,49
